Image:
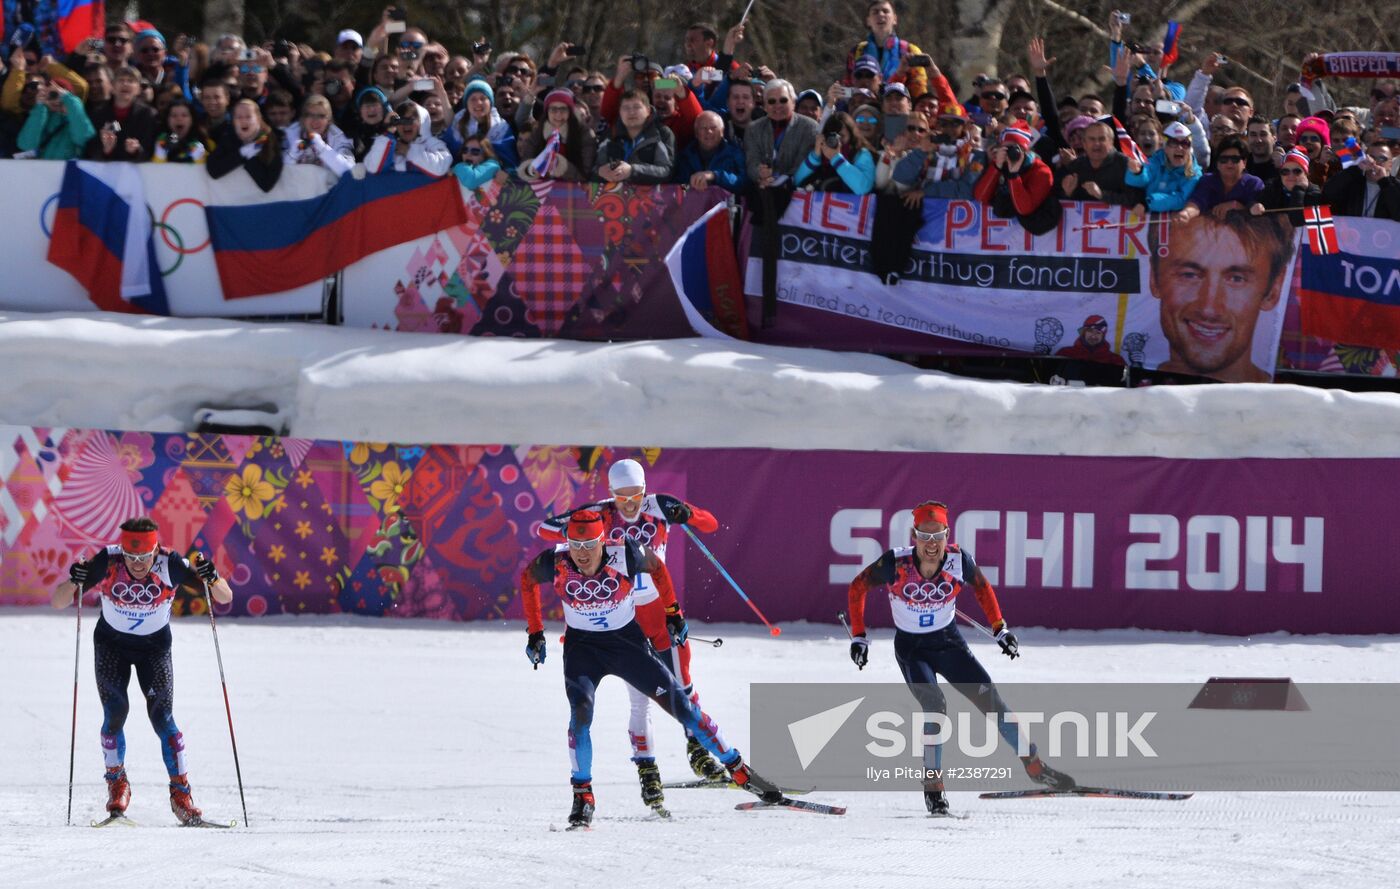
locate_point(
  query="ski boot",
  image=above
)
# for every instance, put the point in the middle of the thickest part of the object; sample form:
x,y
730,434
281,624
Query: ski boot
x,y
118,791
705,766
650,776
754,783
935,800
1040,773
581,815
181,802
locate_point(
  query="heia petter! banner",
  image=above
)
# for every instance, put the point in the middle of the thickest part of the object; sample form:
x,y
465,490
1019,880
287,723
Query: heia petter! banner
x,y
1201,297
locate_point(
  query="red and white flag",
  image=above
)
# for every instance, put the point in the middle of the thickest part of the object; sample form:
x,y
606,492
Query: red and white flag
x,y
1322,233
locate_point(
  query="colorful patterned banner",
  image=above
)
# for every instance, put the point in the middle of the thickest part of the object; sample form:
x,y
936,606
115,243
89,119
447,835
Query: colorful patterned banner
x,y
298,526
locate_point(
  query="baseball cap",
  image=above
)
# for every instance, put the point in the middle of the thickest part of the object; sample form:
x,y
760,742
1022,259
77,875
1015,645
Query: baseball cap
x,y
811,94
1176,130
866,63
894,88
953,110
349,35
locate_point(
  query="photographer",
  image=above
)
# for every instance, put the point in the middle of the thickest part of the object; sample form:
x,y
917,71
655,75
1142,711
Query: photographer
x,y
1019,185
314,139
409,146
841,162
58,127
182,140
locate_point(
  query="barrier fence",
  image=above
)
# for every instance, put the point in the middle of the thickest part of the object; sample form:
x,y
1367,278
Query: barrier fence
x,y
419,530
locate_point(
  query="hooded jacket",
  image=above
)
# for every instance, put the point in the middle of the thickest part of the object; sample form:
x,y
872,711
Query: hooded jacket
x,y
1167,187
335,152
427,153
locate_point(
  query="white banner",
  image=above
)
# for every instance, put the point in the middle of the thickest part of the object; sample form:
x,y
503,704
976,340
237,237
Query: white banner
x,y
1199,298
176,195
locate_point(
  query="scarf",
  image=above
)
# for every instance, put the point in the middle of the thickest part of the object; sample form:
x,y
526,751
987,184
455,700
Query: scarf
x,y
888,55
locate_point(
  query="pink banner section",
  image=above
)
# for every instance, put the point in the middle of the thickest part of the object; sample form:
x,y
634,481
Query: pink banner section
x,y
1216,546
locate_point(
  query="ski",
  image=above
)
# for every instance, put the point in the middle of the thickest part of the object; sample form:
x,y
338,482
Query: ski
x,y
722,784
1112,792
117,818
200,822
662,812
797,804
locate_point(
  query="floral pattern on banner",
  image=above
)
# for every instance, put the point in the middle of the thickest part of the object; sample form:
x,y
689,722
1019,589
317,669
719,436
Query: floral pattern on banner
x,y
296,526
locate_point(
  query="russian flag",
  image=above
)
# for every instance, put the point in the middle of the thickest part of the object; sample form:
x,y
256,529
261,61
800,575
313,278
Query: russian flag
x,y
1351,297
268,248
705,270
80,19
1349,154
1171,44
102,236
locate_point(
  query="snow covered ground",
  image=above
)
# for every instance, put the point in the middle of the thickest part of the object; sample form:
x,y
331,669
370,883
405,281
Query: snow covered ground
x,y
406,753
120,372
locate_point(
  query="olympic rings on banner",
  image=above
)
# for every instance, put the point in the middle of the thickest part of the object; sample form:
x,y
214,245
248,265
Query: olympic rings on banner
x,y
179,251
44,211
165,226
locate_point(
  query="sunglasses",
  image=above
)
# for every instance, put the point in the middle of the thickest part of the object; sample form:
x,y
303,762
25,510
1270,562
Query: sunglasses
x,y
867,119
593,87
517,72
1180,143
1290,171
630,498
994,96
1230,159
782,101
140,557
1316,140
585,544
930,536
410,44
250,69
1237,101
865,74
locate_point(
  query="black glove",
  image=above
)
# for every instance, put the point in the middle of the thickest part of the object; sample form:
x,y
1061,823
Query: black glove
x,y
860,651
1009,646
206,571
678,512
676,626
534,648
78,572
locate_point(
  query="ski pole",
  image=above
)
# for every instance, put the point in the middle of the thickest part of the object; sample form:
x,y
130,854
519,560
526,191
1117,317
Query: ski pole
x,y
218,654
714,643
73,737
742,595
841,616
972,622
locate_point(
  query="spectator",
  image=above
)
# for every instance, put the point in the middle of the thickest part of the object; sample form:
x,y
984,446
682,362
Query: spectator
x,y
894,99
809,104
478,165
841,161
315,139
337,83
23,71
410,52
745,98
256,147
992,103
1290,188
479,116
887,50
116,45
865,74
713,70
409,147
1074,134
279,109
12,117
165,94
182,140
711,159
385,74
507,100
99,80
1147,133
578,149
214,97
1018,184
1367,188
591,93
126,126
1237,104
1286,131
440,119
1228,187
1315,137
676,109
776,146
956,160
1264,153
371,114
1022,105
1221,125
869,125
149,57
57,127
641,150
349,48
1098,173
1169,176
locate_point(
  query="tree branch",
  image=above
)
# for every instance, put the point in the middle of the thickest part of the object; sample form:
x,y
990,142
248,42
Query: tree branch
x,y
1070,13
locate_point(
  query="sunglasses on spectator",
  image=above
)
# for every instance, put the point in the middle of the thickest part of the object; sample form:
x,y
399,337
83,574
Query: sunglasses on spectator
x,y
519,72
1180,143
1240,101
593,87
1310,137
994,96
1290,171
930,536
410,44
250,69
1229,159
584,544
781,101
865,118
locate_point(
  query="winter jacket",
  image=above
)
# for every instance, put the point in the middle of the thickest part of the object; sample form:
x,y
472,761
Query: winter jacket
x,y
475,176
335,151
1028,195
58,137
726,162
1109,177
798,140
652,154
856,176
230,153
531,144
427,154
1276,197
498,133
1167,187
141,123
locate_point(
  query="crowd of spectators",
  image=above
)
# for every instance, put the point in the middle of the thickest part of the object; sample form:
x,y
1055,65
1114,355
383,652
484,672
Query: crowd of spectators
x,y
891,122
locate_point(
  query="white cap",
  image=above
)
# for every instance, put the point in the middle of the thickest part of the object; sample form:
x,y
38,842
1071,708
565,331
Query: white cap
x,y
1176,130
680,72
626,474
351,35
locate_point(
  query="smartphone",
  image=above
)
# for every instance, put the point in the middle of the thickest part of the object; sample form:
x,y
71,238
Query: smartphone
x,y
665,83
1168,108
847,92
575,49
398,14
248,55
895,125
482,48
393,27
921,60
1390,134
713,75
422,84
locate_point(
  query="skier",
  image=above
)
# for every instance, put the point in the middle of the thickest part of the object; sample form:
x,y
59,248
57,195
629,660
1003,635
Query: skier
x,y
137,579
595,583
923,582
632,514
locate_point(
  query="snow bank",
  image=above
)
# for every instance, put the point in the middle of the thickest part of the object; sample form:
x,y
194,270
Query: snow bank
x,y
112,371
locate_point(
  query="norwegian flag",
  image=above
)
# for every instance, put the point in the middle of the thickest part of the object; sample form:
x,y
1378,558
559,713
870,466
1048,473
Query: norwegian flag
x,y
1322,234
1125,142
545,159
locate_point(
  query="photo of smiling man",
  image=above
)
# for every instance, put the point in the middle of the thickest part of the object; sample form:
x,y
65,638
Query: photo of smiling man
x,y
1216,279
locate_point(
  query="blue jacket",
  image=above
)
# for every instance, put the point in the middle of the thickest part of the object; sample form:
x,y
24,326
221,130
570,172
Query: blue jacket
x,y
1167,187
859,174
727,163
474,177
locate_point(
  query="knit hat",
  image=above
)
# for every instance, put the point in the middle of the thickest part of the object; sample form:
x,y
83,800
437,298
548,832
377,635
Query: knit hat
x,y
479,86
953,111
1176,130
626,474
1095,321
586,524
1018,133
373,92
149,34
1297,156
561,96
1317,126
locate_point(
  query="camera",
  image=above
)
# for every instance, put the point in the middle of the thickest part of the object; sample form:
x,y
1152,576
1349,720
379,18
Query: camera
x,y
639,62
248,55
332,87
111,126
921,60
482,48
1013,154
833,140
712,75
282,49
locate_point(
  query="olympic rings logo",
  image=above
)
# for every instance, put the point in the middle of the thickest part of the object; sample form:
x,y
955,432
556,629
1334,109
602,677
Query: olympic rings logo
x,y
927,592
642,533
136,593
167,231
592,590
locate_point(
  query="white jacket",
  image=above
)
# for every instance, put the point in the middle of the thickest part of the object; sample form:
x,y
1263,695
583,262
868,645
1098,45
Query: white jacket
x,y
335,152
427,154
